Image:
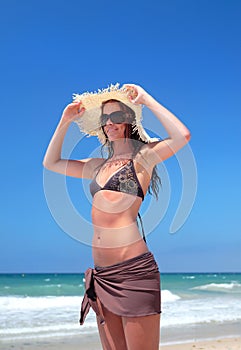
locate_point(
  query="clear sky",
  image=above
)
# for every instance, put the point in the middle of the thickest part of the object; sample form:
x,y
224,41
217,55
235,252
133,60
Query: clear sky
x,y
187,54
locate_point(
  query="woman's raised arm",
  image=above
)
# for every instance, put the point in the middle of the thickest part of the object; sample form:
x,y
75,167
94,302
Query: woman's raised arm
x,y
53,161
178,133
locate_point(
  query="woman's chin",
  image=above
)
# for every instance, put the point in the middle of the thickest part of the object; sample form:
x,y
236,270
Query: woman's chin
x,y
114,138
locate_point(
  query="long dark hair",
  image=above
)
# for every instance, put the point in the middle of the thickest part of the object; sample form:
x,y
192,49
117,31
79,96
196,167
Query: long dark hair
x,y
134,136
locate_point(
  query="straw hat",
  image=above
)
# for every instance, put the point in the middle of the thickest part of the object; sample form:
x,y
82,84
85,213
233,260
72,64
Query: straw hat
x,y
89,122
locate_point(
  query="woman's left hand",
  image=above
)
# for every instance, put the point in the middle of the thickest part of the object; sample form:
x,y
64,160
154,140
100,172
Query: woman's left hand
x,y
137,94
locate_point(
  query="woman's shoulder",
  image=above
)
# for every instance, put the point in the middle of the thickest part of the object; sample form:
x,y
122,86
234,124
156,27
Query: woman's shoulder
x,y
147,155
146,159
91,166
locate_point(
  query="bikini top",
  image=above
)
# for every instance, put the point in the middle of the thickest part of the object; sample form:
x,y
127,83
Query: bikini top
x,y
124,180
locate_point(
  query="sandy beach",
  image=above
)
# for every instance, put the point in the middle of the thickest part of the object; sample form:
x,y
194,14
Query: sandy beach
x,y
92,343
219,344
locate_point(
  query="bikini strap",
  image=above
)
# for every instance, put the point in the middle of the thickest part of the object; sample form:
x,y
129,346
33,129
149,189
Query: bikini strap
x,y
142,227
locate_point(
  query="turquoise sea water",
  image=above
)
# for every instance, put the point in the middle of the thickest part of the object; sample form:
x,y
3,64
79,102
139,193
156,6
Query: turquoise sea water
x,y
47,305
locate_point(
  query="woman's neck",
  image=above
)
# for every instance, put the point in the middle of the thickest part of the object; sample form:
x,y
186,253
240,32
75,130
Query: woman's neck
x,y
122,148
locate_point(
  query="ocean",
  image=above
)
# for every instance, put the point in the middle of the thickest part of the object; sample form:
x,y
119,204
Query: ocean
x,y
41,306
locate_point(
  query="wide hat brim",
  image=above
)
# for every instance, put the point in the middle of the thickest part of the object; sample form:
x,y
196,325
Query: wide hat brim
x,y
89,123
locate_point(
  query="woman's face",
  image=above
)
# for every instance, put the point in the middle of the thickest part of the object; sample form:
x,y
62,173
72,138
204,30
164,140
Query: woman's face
x,y
113,131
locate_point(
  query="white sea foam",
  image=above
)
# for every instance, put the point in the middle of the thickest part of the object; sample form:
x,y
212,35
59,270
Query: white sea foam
x,y
35,317
220,287
204,310
167,296
38,303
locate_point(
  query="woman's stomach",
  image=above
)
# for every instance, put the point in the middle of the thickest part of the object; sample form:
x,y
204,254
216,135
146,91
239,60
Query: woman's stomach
x,y
104,256
114,222
120,233
116,234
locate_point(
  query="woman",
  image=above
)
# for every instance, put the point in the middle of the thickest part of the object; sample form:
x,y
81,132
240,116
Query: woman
x,y
124,287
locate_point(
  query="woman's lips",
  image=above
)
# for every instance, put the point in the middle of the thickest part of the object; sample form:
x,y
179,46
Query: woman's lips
x,y
111,130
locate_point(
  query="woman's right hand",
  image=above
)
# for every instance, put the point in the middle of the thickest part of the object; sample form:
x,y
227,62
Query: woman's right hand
x,y
73,111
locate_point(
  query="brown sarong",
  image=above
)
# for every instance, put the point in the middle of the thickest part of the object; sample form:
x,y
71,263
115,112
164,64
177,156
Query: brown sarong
x,y
130,288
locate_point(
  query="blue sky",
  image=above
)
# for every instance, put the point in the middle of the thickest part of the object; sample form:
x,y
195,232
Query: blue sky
x,y
186,53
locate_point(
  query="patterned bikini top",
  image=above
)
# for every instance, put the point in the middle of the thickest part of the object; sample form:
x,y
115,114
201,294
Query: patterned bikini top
x,y
124,180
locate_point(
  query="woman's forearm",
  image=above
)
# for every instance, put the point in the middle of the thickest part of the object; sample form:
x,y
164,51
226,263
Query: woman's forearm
x,y
53,153
177,131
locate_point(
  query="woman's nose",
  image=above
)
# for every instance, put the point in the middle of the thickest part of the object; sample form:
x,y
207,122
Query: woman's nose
x,y
109,122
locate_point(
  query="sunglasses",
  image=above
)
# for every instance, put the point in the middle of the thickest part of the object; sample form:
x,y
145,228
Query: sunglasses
x,y
118,117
